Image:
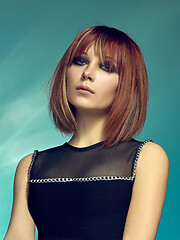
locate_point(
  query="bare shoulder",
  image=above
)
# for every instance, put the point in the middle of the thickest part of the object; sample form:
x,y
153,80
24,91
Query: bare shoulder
x,y
152,146
25,161
24,164
22,168
153,157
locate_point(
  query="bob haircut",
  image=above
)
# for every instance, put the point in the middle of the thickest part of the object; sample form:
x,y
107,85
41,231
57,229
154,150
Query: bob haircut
x,y
126,115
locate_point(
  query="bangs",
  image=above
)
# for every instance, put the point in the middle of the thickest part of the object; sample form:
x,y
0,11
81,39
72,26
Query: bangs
x,y
105,47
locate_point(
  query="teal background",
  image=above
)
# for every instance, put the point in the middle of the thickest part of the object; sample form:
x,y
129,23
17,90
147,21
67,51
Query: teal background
x,y
34,35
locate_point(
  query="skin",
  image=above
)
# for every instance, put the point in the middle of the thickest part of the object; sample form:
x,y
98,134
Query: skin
x,y
149,189
90,109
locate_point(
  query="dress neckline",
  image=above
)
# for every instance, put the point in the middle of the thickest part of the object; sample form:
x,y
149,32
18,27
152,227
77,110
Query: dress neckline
x,y
92,146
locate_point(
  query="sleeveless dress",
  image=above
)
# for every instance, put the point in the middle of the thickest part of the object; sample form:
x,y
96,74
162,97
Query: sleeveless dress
x,y
82,193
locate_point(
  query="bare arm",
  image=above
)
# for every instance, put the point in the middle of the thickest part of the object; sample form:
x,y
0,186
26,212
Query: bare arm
x,y
21,225
148,194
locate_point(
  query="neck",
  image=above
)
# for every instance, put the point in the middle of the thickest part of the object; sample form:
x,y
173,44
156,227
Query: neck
x,y
90,125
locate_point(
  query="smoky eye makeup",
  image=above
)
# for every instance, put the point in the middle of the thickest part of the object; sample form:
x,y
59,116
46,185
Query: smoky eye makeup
x,y
108,67
80,61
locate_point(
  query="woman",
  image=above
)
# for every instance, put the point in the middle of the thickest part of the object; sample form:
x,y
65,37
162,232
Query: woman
x,y
102,184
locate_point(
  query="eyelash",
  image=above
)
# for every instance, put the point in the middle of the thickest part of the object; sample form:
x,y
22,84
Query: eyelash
x,y
80,61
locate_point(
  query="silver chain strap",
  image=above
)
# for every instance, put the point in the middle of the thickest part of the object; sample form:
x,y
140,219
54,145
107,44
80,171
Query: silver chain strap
x,y
86,179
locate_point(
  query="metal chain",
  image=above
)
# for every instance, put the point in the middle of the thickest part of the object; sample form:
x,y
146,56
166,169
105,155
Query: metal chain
x,y
85,179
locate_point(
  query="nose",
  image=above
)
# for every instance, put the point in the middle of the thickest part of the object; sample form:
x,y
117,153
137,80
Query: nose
x,y
88,73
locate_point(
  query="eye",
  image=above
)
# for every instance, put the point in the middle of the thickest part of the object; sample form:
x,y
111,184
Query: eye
x,y
79,61
106,67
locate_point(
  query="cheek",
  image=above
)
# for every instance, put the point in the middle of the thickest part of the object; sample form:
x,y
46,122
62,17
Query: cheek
x,y
109,88
107,92
72,76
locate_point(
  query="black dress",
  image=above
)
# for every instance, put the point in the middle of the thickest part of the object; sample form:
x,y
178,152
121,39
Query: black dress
x,y
82,193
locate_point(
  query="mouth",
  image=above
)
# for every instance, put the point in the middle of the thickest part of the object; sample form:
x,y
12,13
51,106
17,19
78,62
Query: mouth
x,y
84,89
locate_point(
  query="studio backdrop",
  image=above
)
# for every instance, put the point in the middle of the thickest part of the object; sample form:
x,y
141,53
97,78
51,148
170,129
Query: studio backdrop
x,y
34,35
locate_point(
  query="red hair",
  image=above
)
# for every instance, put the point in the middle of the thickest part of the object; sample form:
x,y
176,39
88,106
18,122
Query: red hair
x,y
126,116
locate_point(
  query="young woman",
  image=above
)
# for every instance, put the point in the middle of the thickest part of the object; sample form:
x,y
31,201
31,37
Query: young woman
x,y
102,184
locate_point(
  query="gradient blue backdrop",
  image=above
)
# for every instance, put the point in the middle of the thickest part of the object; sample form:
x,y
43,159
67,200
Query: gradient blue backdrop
x,y
33,36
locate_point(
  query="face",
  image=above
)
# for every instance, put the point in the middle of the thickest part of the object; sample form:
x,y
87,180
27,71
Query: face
x,y
87,70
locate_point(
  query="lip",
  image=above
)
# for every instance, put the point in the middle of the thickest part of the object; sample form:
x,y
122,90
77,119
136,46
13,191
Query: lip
x,y
83,87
